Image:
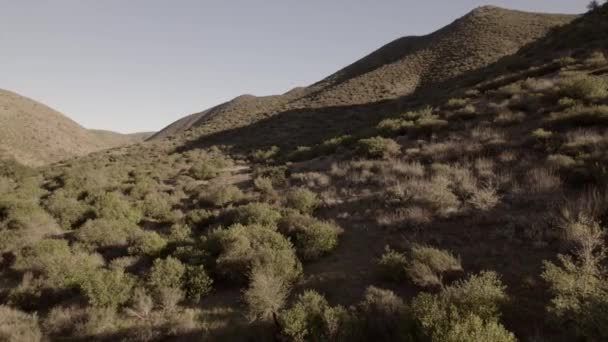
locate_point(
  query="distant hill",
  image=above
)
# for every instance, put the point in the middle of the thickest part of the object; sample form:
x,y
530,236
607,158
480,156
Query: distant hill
x,y
397,69
34,134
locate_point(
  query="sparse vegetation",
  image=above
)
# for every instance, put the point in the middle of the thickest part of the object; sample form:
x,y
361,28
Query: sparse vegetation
x,y
223,232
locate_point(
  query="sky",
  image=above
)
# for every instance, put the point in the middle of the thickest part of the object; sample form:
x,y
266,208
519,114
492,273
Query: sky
x,y
138,65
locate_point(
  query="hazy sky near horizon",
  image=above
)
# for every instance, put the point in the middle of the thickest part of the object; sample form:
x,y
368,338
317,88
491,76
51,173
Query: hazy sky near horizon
x,y
138,65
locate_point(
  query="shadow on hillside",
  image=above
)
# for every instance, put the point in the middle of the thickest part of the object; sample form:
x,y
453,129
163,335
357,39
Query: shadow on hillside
x,y
299,127
310,126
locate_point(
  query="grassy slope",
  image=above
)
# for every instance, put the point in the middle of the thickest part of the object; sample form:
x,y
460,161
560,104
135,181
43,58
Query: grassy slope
x,y
35,134
395,70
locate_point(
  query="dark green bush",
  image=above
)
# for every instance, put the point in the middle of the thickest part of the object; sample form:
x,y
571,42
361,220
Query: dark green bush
x,y
203,171
220,195
311,318
108,288
464,310
584,87
266,294
68,210
111,205
197,282
158,206
166,273
198,217
266,188
147,243
383,316
581,116
18,326
303,200
312,238
240,249
579,282
393,265
58,263
257,213
428,265
262,156
107,233
378,147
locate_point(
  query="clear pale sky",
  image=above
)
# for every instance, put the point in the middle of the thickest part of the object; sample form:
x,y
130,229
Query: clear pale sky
x,y
138,65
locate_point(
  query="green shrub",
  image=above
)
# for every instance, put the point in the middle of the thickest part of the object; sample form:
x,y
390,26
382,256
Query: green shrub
x,y
208,167
107,233
220,195
18,326
312,238
197,282
578,282
566,102
262,156
111,205
445,316
303,200
23,222
166,273
331,145
108,288
240,249
143,185
257,213
198,217
469,111
277,174
180,232
581,116
584,87
378,147
61,266
7,185
392,265
383,316
456,103
203,171
541,134
421,120
266,188
395,126
561,161
158,206
484,198
266,295
428,265
311,318
68,210
596,60
147,243
473,328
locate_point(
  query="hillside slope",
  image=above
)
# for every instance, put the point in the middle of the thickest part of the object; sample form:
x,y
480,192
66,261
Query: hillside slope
x,y
477,217
34,134
397,69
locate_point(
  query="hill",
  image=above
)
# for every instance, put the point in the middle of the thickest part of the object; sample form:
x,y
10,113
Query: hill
x,y
478,213
395,70
34,134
